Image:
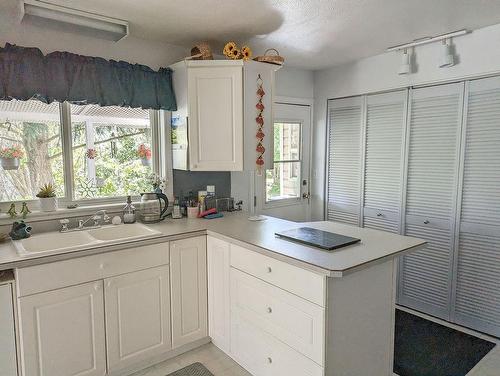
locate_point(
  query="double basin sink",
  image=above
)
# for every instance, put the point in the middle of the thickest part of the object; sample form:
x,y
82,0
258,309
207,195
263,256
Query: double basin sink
x,y
60,242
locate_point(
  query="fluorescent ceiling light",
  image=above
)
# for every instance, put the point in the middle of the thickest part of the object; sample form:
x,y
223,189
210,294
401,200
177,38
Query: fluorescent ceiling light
x,y
67,19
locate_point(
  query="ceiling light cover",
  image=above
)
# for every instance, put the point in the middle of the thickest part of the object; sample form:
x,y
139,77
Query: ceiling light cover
x,y
72,20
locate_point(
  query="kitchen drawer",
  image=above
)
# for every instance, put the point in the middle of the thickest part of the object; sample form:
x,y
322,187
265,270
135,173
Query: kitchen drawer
x,y
293,320
301,282
263,355
51,276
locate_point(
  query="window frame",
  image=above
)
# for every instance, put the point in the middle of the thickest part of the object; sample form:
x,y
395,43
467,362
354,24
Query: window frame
x,y
161,159
279,202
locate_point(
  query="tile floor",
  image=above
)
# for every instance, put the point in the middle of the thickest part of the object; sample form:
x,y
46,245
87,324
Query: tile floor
x,y
221,365
210,356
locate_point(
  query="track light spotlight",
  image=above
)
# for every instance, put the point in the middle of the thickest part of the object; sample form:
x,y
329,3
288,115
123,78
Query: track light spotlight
x,y
447,58
405,63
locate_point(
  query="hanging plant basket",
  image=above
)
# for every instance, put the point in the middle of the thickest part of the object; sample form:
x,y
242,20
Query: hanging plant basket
x,y
146,162
10,163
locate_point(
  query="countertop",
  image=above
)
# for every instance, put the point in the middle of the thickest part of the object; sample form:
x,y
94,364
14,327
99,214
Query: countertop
x,y
259,236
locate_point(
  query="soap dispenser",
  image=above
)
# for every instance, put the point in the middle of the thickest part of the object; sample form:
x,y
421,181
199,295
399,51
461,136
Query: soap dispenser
x,y
129,211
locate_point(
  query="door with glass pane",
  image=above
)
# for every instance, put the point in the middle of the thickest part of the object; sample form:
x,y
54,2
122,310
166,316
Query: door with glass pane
x,y
283,191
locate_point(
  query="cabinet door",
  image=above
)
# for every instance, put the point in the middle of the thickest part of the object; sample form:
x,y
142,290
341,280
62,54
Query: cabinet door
x,y
218,292
137,316
385,125
7,337
62,332
344,163
432,177
188,268
215,96
477,295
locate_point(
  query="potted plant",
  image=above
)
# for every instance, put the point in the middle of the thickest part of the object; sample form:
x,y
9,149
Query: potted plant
x,y
144,154
10,156
48,199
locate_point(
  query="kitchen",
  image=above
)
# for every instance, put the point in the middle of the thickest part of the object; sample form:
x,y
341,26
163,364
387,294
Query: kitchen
x,y
224,208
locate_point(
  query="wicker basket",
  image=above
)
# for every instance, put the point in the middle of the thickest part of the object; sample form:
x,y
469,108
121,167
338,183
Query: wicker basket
x,y
201,51
270,58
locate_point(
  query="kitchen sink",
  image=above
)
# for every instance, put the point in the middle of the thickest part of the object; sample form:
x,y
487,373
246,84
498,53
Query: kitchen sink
x,y
54,241
61,242
123,232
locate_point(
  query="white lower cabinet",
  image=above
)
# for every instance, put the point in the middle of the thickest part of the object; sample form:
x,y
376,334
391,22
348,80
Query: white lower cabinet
x,y
8,359
137,316
188,268
263,355
62,332
219,306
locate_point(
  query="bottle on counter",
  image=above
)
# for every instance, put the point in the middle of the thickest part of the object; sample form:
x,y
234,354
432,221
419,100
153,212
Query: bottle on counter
x,y
176,213
129,211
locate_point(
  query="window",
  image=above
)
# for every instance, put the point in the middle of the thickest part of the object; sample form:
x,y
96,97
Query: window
x,y
30,149
86,151
283,181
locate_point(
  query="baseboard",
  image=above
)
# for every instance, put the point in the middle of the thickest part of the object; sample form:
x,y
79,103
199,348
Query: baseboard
x,y
160,358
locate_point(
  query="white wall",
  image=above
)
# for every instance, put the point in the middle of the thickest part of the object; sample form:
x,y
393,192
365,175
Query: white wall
x,y
294,82
130,49
478,54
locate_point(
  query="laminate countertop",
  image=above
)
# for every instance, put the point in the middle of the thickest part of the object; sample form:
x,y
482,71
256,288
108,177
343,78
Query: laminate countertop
x,y
375,246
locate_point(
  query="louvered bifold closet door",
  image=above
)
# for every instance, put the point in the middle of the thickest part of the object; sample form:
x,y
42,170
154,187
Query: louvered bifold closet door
x,y
477,295
435,119
344,159
385,125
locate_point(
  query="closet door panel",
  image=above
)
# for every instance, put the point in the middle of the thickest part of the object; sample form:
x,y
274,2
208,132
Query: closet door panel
x,y
477,295
344,163
385,123
435,119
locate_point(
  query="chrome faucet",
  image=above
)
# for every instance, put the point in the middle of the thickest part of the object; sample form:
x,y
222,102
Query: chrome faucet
x,y
96,217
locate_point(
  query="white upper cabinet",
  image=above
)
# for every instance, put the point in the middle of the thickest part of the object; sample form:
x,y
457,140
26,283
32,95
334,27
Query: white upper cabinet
x,y
346,118
218,292
188,268
62,332
385,128
432,175
137,316
209,120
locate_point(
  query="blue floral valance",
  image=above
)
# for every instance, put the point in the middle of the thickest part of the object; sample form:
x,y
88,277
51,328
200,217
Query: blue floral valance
x,y
25,73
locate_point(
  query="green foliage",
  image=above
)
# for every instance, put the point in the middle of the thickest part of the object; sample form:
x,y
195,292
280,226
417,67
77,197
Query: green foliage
x,y
46,191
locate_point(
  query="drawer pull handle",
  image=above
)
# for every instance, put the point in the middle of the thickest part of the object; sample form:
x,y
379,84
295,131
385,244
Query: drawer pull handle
x,y
269,360
426,222
269,310
269,269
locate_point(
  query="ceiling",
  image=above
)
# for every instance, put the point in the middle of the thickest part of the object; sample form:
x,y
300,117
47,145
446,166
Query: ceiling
x,y
311,34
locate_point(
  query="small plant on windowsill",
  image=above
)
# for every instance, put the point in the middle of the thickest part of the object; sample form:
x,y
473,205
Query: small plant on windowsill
x,y
144,154
48,199
10,157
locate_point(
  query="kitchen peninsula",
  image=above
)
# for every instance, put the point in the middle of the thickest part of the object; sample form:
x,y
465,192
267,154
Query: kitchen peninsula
x,y
275,306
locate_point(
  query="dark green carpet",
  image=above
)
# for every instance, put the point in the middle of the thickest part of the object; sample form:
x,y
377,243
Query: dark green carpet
x,y
424,348
195,369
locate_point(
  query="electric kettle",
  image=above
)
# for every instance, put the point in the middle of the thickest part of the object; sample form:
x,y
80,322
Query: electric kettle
x,y
151,209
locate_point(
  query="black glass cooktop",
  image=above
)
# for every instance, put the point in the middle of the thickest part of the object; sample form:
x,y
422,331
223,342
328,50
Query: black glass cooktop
x,y
317,238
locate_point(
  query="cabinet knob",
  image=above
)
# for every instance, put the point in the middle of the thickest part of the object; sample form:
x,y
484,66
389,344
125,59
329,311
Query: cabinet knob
x,y
269,269
269,360
380,215
108,284
102,266
426,222
97,286
269,310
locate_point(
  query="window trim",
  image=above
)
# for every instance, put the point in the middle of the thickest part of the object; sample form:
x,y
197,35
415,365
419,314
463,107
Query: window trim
x,y
161,159
289,201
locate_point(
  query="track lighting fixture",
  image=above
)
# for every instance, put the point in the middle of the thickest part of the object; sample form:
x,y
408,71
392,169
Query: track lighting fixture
x,y
447,58
405,67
